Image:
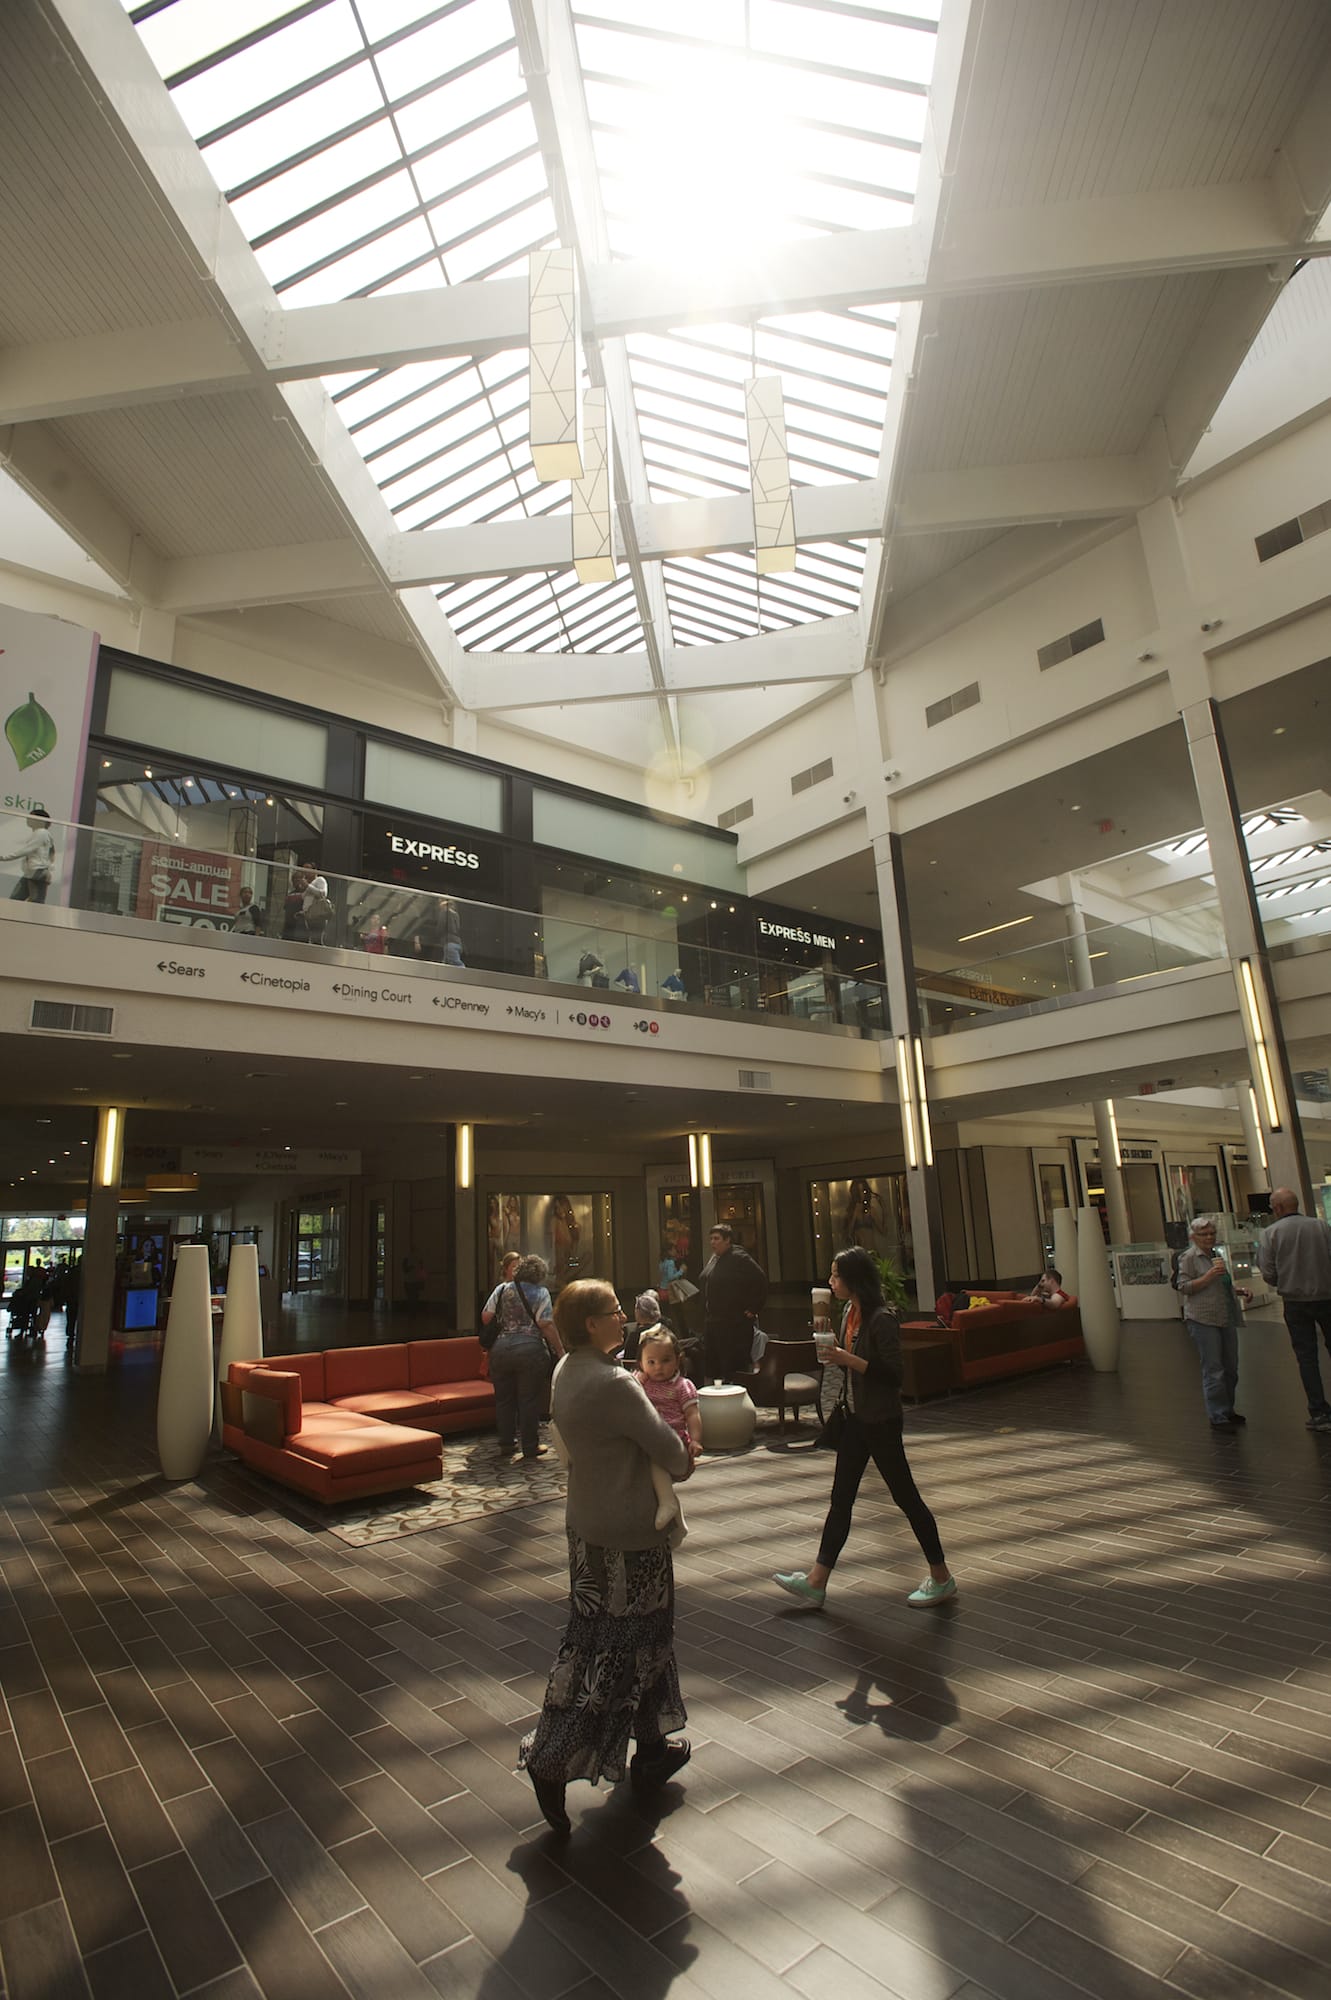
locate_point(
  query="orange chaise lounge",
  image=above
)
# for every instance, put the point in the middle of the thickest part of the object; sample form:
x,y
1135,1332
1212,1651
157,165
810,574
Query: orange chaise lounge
x,y
355,1420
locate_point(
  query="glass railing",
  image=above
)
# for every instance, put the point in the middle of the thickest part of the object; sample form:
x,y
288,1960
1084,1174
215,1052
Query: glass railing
x,y
1115,955
1295,906
157,880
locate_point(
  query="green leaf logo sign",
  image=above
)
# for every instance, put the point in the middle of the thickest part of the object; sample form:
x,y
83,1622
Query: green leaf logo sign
x,y
31,733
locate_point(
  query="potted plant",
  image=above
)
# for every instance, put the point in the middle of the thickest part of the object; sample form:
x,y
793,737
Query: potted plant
x,y
894,1285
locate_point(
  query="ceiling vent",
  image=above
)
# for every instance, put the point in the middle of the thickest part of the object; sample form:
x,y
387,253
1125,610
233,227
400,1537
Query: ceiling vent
x,y
734,814
755,1079
1290,533
813,776
1080,641
60,1017
952,704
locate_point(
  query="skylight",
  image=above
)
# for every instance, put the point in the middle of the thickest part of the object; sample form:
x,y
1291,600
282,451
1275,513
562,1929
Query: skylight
x,y
374,147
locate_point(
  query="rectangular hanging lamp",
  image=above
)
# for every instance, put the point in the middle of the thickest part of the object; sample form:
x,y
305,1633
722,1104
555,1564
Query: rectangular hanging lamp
x,y
593,549
555,336
769,474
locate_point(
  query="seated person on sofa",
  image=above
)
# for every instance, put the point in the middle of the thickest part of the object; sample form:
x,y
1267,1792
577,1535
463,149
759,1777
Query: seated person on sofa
x,y
1048,1291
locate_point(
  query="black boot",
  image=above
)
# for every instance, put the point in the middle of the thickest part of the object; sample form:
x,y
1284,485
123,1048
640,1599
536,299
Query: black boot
x,y
658,1762
550,1798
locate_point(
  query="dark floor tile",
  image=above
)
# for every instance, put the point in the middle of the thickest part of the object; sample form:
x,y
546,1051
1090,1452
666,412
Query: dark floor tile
x,y
417,1836
102,1906
184,1922
40,1956
329,1746
14,1787
308,1876
370,1962
415,1915
191,1714
138,1825
62,1794
101,1743
468,1970
38,1724
214,1842
132,1970
26,1876
427,1779
233,1772
285,1960
129,1698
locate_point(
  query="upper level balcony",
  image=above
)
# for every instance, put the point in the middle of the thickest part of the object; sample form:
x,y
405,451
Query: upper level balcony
x,y
237,902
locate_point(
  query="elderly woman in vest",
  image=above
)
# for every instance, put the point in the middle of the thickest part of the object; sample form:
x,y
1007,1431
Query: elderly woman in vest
x,y
615,1675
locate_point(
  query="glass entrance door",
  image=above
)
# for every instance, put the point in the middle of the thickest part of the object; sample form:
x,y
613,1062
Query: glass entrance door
x,y
740,1203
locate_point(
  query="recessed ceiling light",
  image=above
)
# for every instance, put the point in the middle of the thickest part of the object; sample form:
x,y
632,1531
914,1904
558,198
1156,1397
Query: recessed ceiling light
x,y
80,1090
340,1103
121,1055
1280,731
1074,809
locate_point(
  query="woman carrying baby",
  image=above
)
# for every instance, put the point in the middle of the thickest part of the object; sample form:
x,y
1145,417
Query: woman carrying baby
x,y
615,1675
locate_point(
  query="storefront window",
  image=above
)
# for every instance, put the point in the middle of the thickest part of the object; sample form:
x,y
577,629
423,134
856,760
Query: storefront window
x,y
869,1213
573,1232
177,843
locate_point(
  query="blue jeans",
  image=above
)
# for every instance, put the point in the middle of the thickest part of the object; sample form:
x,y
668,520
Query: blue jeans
x,y
1218,1350
519,1369
1303,1317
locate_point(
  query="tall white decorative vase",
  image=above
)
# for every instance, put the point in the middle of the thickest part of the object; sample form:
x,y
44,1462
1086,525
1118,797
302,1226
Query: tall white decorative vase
x,y
1065,1248
242,1322
185,1391
1100,1322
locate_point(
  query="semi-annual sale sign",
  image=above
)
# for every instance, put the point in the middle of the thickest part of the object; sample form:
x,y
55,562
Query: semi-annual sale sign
x,y
188,885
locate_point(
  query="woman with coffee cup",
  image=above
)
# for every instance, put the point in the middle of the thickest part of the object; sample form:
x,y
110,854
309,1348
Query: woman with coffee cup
x,y
870,1353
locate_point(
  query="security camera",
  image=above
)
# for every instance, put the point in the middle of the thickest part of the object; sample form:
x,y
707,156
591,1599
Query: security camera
x,y
849,798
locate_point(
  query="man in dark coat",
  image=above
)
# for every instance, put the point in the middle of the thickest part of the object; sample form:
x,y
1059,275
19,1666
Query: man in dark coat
x,y
733,1288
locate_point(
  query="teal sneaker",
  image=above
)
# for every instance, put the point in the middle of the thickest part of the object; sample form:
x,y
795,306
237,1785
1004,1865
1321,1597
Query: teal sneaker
x,y
930,1592
799,1586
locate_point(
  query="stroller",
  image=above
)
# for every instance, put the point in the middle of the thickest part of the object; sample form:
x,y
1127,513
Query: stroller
x,y
29,1312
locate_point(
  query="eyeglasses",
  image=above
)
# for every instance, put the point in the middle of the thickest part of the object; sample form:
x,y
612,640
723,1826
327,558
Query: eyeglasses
x,y
618,1313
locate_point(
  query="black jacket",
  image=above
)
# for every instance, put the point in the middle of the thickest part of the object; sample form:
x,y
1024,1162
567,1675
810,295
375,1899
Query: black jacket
x,y
733,1285
875,1396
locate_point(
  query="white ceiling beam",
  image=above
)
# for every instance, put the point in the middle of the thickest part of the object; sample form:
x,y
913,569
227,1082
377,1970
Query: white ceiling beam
x,y
109,371
508,681
37,459
1234,225
663,528
824,650
242,578
1010,496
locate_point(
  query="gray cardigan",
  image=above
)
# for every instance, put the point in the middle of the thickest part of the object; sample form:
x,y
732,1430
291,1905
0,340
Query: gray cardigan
x,y
613,1437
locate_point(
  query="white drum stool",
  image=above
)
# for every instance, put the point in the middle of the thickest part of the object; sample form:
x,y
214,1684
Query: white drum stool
x,y
728,1418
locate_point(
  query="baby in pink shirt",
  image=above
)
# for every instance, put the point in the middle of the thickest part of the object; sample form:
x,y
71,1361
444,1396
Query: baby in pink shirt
x,y
675,1399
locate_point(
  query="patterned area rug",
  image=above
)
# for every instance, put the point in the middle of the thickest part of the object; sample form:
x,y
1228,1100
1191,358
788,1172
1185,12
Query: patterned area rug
x,y
476,1481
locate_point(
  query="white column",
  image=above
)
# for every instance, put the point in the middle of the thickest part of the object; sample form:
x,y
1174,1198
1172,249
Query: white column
x,y
1102,1109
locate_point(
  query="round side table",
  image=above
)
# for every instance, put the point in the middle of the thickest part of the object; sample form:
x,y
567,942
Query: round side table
x,y
728,1418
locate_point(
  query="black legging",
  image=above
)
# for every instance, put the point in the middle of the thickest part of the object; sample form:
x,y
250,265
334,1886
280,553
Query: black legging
x,y
883,1444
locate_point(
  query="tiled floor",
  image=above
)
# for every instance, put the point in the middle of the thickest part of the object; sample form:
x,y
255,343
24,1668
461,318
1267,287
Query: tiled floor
x,y
242,1757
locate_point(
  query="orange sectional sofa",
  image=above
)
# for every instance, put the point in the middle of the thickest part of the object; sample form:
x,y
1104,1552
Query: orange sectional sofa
x,y
1009,1336
355,1420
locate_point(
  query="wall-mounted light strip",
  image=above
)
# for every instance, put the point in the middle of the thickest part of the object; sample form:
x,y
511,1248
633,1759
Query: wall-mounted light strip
x,y
464,1156
922,1105
693,1159
1113,1134
1010,925
705,1158
907,1103
1257,1128
1258,1039
108,1159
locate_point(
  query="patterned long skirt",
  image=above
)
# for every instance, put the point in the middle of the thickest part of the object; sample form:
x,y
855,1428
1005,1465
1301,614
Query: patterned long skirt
x,y
615,1674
